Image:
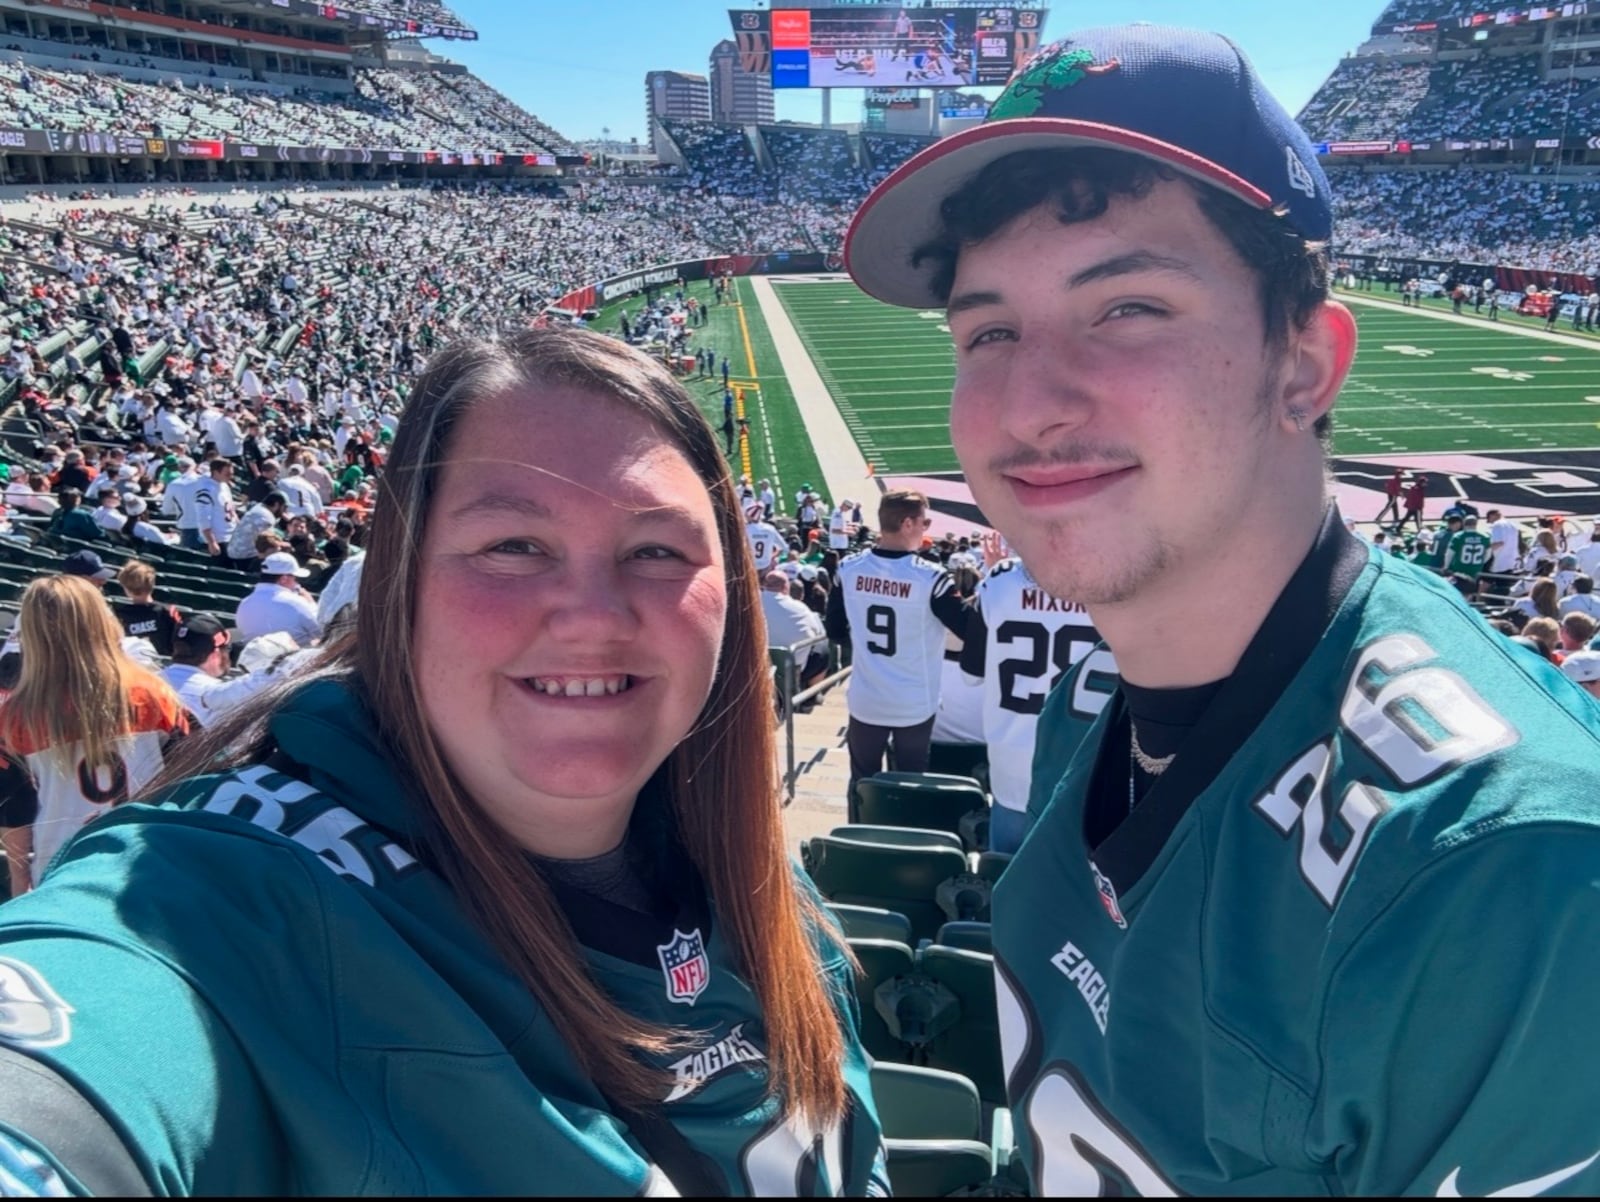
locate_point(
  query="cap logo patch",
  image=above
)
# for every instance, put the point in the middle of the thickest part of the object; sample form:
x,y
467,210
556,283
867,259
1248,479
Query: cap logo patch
x,y
1053,71
1299,178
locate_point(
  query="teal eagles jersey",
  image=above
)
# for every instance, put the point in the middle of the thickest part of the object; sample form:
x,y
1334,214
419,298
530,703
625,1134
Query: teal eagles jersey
x,y
1430,551
262,990
1345,945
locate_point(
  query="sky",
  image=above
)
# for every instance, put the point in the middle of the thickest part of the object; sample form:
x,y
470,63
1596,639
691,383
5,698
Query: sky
x,y
580,65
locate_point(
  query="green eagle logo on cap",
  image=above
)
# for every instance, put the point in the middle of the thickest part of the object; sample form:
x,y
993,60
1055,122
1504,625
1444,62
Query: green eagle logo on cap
x,y
1049,72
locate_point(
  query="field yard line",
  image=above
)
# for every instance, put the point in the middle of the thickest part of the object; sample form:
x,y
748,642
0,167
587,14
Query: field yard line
x,y
844,468
1475,323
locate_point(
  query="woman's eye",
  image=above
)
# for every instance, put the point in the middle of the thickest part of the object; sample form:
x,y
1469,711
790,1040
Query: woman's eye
x,y
515,546
655,551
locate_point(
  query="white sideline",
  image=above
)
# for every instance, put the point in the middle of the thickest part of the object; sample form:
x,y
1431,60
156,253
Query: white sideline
x,y
843,466
1482,323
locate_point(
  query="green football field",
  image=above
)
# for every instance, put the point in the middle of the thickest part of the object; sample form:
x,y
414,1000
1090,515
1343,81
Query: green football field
x,y
1419,385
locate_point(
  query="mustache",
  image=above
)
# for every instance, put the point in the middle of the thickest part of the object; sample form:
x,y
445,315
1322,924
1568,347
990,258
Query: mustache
x,y
1065,455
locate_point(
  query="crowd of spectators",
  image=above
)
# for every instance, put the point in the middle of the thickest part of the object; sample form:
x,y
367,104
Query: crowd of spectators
x,y
1485,96
1475,215
388,109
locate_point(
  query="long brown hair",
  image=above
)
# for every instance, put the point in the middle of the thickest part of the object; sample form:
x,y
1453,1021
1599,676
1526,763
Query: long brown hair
x,y
77,685
718,787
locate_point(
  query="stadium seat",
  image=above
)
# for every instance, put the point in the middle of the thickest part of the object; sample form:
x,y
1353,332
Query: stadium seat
x,y
871,922
968,936
881,960
992,863
959,759
932,1127
920,799
972,1046
884,876
899,836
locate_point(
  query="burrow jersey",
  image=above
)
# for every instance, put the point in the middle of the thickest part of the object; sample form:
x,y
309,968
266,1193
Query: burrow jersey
x,y
1020,641
889,601
1360,960
339,1026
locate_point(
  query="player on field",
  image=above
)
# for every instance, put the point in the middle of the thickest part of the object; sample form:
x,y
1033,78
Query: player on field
x,y
766,544
893,607
1309,907
1020,641
493,900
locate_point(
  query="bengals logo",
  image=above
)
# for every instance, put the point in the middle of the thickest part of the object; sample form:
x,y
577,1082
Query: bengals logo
x,y
749,20
755,52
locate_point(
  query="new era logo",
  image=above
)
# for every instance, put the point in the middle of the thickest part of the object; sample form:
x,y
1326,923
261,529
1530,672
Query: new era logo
x,y
1299,178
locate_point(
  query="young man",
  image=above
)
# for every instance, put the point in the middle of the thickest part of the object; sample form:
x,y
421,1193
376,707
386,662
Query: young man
x,y
892,607
1466,555
1309,907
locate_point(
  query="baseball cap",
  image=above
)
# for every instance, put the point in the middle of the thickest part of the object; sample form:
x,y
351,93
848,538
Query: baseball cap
x,y
1581,667
1567,561
281,563
1187,99
198,633
87,564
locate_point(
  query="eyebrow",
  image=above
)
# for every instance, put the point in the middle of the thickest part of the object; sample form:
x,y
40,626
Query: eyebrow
x,y
500,503
1128,264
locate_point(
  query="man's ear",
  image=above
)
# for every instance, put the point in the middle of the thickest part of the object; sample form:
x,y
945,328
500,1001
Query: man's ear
x,y
1320,356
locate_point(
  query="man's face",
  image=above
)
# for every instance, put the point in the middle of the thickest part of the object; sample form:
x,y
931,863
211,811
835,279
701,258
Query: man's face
x,y
1110,405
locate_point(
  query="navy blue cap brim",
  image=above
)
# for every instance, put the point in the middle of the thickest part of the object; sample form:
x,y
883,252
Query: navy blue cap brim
x,y
902,213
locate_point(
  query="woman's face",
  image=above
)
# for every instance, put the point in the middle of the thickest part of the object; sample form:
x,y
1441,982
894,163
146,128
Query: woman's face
x,y
569,612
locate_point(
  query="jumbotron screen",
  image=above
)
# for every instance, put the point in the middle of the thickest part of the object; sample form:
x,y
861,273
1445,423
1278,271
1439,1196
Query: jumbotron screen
x,y
888,46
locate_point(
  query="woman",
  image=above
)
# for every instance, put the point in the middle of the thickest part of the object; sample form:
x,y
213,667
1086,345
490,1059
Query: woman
x,y
1542,600
85,728
495,897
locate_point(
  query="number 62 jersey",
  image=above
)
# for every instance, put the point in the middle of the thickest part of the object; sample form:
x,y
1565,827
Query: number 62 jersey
x,y
1362,956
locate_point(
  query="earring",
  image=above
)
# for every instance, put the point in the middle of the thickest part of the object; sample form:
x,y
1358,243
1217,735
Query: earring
x,y
1298,417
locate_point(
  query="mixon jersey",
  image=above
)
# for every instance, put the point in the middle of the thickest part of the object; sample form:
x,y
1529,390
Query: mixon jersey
x,y
1345,944
894,608
766,545
64,793
1020,640
339,1026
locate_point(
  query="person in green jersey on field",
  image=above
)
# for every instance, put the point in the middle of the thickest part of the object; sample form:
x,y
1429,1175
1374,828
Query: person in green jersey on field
x,y
1309,907
493,899
1466,555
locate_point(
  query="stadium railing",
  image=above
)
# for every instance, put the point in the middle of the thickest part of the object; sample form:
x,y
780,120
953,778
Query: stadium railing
x,y
786,662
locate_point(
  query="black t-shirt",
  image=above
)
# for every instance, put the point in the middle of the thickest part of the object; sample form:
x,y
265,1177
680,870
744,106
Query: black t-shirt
x,y
19,799
148,620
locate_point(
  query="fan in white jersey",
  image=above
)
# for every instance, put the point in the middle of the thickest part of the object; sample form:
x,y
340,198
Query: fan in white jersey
x,y
893,609
1020,640
766,544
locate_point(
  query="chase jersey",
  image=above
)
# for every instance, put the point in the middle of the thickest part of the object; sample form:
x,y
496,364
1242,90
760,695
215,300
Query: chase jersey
x,y
894,608
265,991
1357,958
766,545
1020,641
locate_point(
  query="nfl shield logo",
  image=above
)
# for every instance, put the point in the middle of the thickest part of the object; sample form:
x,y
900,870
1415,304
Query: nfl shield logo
x,y
684,963
1108,895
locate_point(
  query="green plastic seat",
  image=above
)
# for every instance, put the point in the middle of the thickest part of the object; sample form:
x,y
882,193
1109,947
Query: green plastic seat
x,y
872,922
906,879
881,960
968,936
922,799
959,759
972,1046
898,836
915,1102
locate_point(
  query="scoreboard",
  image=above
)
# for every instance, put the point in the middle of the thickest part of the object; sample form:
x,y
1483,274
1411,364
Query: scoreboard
x,y
887,46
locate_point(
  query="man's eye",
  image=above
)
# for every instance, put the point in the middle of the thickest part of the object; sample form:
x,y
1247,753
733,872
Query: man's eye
x,y
999,332
1134,309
